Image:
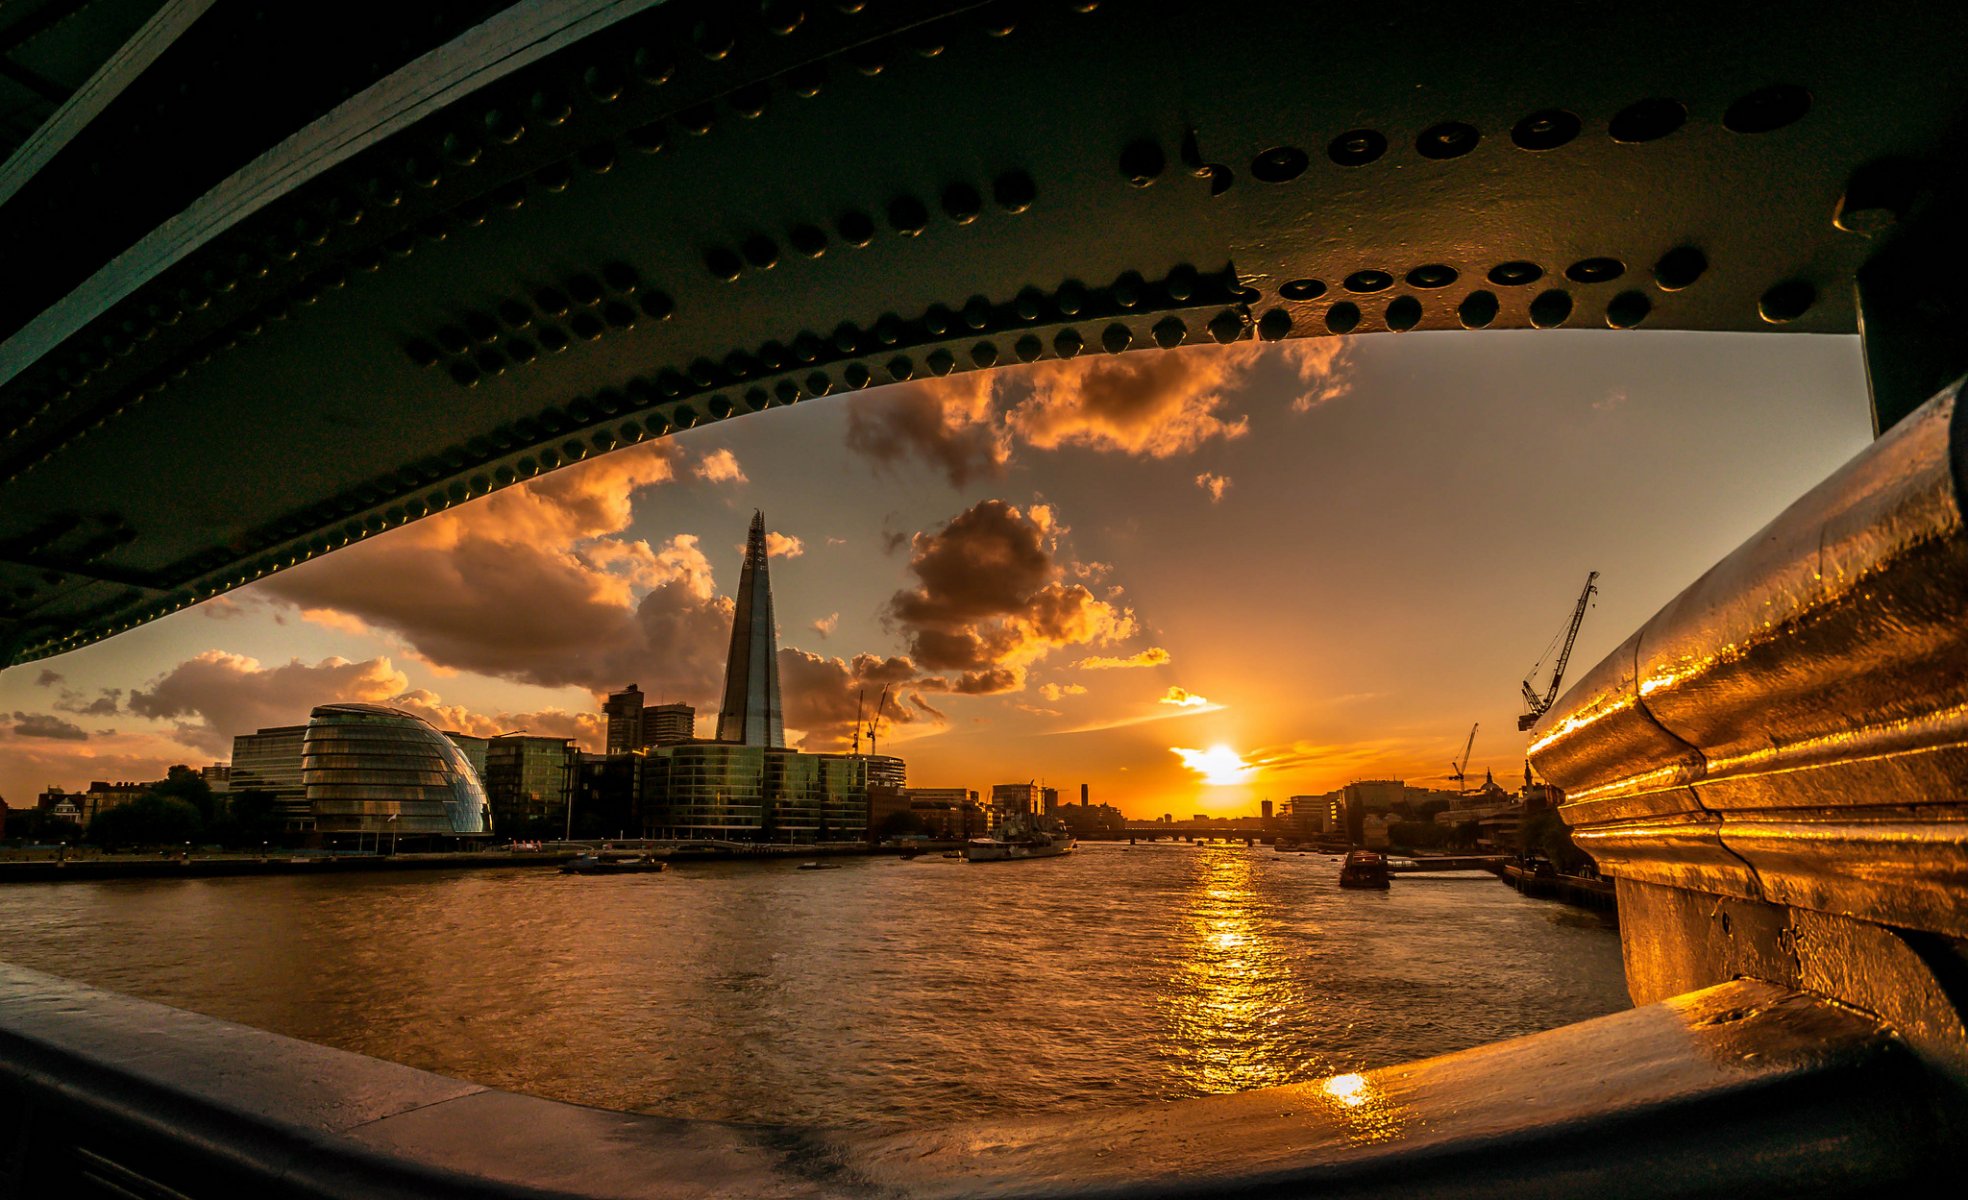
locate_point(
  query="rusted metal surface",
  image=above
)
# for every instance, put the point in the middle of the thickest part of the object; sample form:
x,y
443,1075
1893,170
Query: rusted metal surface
x,y
1793,728
1746,1088
561,228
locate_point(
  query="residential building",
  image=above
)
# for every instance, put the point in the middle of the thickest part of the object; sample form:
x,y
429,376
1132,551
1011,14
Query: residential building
x,y
886,770
751,714
668,724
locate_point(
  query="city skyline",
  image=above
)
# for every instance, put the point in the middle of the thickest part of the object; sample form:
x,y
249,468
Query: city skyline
x,y
1040,565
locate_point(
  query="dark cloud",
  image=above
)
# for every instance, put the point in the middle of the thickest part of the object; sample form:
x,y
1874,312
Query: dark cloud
x,y
47,678
44,725
950,424
107,703
216,695
988,598
824,695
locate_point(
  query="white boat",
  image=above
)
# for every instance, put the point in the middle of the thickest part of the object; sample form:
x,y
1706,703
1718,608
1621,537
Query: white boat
x,y
1017,838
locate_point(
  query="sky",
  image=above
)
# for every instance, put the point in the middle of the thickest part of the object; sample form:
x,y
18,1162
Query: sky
x,y
1189,579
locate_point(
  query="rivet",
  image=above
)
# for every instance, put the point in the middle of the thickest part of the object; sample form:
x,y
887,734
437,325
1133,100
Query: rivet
x,y
1181,283
749,101
703,372
782,16
1647,120
1356,148
739,365
1274,325
672,384
510,196
1787,301
856,228
459,149
453,339
819,383
618,314
421,171
760,252
656,305
939,320
977,312
1679,268
503,125
857,376
1434,275
900,369
1363,282
549,106
491,362
654,67
553,339
1116,338
1515,273
620,277
723,264
698,119
421,352
1028,349
1169,332
806,80
598,159
1551,309
1302,289
807,347
1627,309
941,362
550,301
787,391
1226,327
1029,304
907,216
847,338
481,327
713,38
1142,161
585,289
554,177
1450,139
1403,314
650,138
1545,130
1343,317
1070,298
1595,270
1280,164
464,373
1767,109
869,58
603,83
1014,191
1127,289
585,326
962,203
984,354
888,329
1067,343
808,240
520,350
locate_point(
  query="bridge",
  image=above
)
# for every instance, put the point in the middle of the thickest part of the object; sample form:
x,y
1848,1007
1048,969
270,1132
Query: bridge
x,y
283,277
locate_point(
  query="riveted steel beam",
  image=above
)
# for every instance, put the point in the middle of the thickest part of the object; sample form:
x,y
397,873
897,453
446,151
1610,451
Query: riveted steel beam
x,y
564,228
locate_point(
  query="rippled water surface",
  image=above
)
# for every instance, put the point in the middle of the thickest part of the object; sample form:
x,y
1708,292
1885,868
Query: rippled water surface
x,y
885,991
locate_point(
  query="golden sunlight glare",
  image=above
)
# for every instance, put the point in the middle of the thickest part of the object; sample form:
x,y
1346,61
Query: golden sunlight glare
x,y
1218,765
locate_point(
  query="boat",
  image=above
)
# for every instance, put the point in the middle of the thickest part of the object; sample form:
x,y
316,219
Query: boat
x,y
1020,838
1363,869
819,866
593,864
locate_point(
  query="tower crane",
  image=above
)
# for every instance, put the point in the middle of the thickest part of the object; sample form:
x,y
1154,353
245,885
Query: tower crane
x,y
1459,771
1537,705
860,704
874,724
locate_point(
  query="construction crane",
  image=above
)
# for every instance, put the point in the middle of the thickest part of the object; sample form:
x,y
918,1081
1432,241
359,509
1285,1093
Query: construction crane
x,y
1536,704
1459,771
860,704
874,724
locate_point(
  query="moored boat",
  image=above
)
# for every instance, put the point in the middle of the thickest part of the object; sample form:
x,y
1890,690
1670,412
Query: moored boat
x,y
1018,838
594,864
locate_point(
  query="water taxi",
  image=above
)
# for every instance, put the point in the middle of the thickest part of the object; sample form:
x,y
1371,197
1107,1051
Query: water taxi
x,y
1363,869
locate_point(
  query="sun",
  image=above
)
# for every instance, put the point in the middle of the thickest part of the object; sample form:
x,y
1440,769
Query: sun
x,y
1220,766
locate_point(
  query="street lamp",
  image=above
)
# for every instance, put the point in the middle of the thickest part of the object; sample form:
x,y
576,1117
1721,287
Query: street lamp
x,y
392,825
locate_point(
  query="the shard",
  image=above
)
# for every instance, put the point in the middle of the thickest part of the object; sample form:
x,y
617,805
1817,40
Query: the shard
x,y
751,714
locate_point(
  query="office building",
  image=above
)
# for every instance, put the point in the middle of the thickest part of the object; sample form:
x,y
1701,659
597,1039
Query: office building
x,y
608,795
623,711
1264,809
727,792
368,770
751,714
270,761
529,781
1049,801
668,724
886,770
1010,800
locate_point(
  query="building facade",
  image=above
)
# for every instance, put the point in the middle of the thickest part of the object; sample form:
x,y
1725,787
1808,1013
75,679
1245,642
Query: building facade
x,y
372,770
270,761
726,792
623,712
668,724
1010,800
529,782
751,714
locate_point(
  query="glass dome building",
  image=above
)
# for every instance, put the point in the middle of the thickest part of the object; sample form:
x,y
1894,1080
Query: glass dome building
x,y
368,769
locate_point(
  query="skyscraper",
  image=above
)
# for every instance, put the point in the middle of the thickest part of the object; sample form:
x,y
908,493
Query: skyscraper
x,y
624,712
751,714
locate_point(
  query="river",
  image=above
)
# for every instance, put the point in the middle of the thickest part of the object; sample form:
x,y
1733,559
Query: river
x,y
884,992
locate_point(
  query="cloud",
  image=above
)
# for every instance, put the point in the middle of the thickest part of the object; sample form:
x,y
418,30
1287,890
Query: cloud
x,y
47,678
1053,691
107,703
950,424
826,625
783,545
215,695
1215,485
1183,698
1153,656
720,466
989,598
824,695
836,541
536,584
43,725
1145,405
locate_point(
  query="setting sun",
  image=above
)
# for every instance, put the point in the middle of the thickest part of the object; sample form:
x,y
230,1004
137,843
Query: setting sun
x,y
1220,766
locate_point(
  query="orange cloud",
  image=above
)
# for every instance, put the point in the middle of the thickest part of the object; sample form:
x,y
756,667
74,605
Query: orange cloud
x,y
1183,698
783,545
720,466
1153,656
1215,485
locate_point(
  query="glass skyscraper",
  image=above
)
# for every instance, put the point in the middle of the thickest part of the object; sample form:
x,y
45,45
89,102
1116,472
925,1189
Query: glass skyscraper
x,y
368,769
751,714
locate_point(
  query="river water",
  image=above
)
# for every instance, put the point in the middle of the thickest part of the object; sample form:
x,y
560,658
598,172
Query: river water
x,y
884,992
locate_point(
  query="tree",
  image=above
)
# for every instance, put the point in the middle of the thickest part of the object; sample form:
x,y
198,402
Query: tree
x,y
1546,833
183,783
149,820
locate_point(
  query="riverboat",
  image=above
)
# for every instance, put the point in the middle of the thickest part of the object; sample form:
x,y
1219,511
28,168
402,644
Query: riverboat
x,y
1019,839
591,864
819,866
1363,869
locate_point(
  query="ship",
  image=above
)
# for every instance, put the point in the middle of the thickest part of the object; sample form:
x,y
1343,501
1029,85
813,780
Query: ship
x,y
1020,838
1363,869
592,864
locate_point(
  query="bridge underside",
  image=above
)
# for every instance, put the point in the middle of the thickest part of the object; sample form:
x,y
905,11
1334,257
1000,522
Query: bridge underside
x,y
278,283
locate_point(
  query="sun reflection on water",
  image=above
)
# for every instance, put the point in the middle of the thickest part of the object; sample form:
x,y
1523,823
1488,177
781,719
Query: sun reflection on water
x,y
1230,987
